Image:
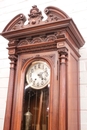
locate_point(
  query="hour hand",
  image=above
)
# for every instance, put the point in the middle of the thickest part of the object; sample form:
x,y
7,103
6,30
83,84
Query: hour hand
x,y
40,75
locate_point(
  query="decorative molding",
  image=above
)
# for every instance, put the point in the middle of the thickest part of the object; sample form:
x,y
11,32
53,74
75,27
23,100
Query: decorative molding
x,y
51,57
37,40
63,55
23,42
42,38
25,60
12,42
13,57
51,37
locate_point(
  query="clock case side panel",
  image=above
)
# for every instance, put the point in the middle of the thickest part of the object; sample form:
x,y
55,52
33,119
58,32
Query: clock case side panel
x,y
73,93
20,78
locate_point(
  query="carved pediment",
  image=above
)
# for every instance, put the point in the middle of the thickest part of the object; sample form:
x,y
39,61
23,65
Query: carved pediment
x,y
38,30
35,18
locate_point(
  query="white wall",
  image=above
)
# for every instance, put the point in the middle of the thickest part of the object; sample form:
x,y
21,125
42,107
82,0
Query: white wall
x,y
77,9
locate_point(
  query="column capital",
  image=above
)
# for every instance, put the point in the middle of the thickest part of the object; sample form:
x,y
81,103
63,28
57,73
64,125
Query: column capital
x,y
63,51
13,59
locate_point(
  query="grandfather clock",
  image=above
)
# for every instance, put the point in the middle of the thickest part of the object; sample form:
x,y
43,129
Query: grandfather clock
x,y
43,91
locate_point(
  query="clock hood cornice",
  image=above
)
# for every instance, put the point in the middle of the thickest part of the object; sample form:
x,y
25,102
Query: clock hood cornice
x,y
56,21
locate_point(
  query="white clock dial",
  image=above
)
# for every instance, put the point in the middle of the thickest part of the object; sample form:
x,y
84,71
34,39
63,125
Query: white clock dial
x,y
38,74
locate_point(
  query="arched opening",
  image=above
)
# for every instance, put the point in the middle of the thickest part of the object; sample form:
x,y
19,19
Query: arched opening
x,y
36,96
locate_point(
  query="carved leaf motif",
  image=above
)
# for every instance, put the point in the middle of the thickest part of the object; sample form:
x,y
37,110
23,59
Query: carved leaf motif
x,y
19,23
23,42
52,18
35,16
16,23
25,60
52,58
42,38
37,40
54,14
13,57
51,38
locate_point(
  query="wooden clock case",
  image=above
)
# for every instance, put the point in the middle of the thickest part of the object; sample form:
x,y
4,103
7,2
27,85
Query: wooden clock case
x,y
56,41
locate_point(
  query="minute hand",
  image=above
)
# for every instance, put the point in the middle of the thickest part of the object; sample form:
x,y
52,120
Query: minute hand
x,y
41,74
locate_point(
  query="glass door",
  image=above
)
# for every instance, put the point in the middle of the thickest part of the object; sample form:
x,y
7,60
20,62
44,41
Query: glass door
x,y
36,97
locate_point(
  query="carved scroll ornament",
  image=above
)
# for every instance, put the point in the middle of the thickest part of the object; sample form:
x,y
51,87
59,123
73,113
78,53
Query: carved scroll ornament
x,y
35,18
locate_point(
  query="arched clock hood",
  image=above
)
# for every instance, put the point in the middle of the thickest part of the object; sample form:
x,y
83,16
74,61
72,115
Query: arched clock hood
x,y
56,18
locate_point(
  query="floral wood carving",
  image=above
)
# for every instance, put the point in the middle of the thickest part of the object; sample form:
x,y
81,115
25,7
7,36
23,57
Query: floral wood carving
x,y
43,38
13,57
35,18
16,23
23,42
54,14
36,40
25,60
52,58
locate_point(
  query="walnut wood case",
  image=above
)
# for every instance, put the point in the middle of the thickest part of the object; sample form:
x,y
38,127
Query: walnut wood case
x,y
55,41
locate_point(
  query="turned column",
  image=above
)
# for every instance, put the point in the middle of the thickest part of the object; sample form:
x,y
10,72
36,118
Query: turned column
x,y
13,58
62,89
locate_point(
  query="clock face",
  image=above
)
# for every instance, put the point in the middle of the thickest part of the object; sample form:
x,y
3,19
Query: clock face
x,y
38,75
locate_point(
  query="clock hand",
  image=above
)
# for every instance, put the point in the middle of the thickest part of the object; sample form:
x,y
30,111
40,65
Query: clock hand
x,y
40,74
